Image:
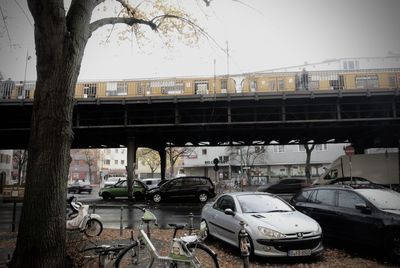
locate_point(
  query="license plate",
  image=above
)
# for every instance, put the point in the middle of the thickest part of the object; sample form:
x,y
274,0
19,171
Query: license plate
x,y
300,252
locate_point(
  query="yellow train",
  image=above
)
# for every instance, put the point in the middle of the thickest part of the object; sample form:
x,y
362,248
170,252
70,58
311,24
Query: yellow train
x,y
245,83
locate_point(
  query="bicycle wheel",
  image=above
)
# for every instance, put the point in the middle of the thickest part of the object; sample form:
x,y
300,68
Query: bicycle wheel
x,y
204,256
93,228
134,255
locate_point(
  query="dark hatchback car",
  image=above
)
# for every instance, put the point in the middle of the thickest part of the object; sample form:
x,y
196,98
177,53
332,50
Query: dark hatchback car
x,y
285,186
79,187
201,188
365,214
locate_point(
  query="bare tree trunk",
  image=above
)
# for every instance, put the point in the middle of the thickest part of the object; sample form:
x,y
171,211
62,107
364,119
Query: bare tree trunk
x,y
42,232
308,161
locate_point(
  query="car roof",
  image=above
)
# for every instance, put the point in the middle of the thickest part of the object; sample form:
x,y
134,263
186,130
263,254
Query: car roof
x,y
345,186
248,193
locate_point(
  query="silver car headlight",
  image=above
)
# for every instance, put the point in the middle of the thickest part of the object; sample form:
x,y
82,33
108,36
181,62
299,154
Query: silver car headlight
x,y
269,233
318,231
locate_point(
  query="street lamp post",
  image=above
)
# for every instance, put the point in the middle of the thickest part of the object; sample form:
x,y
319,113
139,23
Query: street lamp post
x,y
26,67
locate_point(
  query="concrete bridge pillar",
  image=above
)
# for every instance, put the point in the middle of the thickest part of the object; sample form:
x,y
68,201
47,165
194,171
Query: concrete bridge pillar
x,y
131,164
163,160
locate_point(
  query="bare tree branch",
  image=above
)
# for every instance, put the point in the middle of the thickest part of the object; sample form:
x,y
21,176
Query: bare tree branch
x,y
113,20
5,25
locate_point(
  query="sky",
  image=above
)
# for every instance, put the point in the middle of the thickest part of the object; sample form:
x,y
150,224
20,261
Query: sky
x,y
260,35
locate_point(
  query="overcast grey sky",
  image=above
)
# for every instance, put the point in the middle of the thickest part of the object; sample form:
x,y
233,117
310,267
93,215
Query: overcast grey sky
x,y
261,34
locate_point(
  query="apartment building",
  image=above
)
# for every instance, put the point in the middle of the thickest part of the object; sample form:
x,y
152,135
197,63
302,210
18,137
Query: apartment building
x,y
259,164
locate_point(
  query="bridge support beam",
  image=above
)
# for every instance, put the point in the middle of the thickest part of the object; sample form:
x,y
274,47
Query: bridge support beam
x,y
163,160
131,164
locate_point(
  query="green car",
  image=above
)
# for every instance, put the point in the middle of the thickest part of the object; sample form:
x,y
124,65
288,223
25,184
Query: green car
x,y
120,189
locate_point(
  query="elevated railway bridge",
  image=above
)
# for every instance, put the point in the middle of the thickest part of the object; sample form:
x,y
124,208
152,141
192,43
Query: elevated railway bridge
x,y
366,118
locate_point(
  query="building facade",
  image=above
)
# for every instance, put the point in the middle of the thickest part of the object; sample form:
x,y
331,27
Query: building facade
x,y
259,164
6,168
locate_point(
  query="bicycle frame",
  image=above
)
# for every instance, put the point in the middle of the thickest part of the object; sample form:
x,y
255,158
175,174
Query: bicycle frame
x,y
178,251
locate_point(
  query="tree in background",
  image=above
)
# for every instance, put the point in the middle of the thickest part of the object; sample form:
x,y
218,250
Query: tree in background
x,y
91,159
20,158
173,155
247,156
308,160
62,30
150,158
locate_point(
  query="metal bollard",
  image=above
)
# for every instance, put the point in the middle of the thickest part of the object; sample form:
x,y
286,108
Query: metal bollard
x,y
191,228
120,223
244,245
94,209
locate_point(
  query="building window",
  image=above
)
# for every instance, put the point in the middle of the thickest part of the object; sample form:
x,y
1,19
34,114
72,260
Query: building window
x,y
204,151
351,65
122,162
107,162
279,148
259,149
223,159
301,148
321,147
116,162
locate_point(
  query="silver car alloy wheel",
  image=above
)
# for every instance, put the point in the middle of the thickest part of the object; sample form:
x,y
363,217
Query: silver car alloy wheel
x,y
203,197
157,198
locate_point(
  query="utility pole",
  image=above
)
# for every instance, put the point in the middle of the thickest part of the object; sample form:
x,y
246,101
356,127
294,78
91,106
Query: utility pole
x,y
227,58
26,67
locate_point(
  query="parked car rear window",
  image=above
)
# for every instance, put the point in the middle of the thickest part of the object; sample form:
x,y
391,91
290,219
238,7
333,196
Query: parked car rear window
x,y
349,199
383,199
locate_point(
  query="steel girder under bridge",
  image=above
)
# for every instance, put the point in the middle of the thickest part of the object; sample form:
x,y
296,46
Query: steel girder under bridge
x,y
367,118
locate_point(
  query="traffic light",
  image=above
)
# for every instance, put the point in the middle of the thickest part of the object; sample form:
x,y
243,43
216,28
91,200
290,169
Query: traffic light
x,y
216,161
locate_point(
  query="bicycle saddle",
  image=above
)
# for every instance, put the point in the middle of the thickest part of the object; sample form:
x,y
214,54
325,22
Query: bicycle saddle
x,y
177,225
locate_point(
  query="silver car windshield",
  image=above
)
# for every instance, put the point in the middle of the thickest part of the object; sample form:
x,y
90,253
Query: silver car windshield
x,y
383,199
262,204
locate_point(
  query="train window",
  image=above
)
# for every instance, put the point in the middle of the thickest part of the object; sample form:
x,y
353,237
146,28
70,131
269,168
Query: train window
x,y
392,81
367,81
281,84
201,87
224,84
253,85
89,90
122,89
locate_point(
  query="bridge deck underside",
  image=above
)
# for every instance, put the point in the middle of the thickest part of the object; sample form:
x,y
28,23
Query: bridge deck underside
x,y
369,119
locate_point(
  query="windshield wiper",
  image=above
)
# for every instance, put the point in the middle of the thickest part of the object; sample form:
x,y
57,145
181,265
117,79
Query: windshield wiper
x,y
278,210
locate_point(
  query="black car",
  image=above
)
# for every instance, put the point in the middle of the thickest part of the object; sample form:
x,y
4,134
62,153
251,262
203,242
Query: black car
x,y
199,187
350,181
364,214
285,186
80,187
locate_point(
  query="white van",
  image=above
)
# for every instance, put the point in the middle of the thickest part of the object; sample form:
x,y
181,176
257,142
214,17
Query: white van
x,y
151,182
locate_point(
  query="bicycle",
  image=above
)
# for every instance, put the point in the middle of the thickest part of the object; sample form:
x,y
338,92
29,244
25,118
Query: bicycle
x,y
186,251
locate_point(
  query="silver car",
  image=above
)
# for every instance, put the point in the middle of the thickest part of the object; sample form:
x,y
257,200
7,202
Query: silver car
x,y
275,228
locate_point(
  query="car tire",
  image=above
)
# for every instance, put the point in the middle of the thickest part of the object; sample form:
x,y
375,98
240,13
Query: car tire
x,y
202,197
156,198
106,196
207,236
